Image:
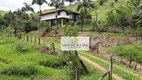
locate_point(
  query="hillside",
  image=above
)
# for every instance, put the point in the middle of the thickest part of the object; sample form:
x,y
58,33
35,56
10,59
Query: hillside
x,y
102,10
2,12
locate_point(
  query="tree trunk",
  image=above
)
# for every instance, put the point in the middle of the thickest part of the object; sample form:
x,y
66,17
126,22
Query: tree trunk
x,y
123,28
40,9
130,59
15,31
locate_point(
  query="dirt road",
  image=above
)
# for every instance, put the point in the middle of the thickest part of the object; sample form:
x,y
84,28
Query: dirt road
x,y
102,69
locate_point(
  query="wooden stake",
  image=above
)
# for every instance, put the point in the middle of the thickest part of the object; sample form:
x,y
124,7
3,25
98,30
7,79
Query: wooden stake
x,y
35,39
136,63
130,59
77,73
110,69
27,38
53,47
39,40
31,77
105,74
31,39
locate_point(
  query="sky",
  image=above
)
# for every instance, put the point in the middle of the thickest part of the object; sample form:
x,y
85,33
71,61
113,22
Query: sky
x,y
15,4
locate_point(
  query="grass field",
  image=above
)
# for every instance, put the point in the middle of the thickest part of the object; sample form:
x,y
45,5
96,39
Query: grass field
x,y
125,50
117,71
19,60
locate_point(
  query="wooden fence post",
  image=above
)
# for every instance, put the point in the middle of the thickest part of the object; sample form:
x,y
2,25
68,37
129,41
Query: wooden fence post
x,y
53,47
90,42
105,74
31,39
110,69
130,59
118,42
44,41
109,72
77,73
39,40
24,38
136,36
31,77
35,39
97,48
27,38
136,63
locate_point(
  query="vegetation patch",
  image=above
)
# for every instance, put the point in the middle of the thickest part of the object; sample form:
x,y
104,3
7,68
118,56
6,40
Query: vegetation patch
x,y
4,61
24,69
54,62
125,50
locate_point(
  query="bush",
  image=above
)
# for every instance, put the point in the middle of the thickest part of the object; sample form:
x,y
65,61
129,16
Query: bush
x,y
30,26
70,30
55,62
6,41
22,47
20,69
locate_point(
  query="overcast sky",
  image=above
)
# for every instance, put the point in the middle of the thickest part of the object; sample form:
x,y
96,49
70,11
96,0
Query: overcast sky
x,y
15,4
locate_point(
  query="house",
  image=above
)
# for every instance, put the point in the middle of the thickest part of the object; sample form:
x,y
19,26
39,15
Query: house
x,y
63,16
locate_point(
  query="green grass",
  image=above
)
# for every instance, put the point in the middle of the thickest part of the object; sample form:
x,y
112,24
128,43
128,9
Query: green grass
x,y
101,11
19,60
16,64
125,50
117,71
108,34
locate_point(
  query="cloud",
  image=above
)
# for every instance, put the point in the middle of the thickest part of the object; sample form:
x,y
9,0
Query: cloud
x,y
15,4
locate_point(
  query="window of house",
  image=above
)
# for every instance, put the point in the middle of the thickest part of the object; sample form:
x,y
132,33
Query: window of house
x,y
67,13
58,12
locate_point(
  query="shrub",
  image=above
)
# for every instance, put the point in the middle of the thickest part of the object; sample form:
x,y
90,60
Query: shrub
x,y
55,62
20,69
29,26
6,41
70,30
21,48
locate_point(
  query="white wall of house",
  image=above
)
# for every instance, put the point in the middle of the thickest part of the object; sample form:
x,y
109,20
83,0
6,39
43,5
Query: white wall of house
x,y
52,16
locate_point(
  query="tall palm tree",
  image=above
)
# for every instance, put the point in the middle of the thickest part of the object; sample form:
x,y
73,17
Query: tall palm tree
x,y
57,4
27,8
39,2
70,1
84,8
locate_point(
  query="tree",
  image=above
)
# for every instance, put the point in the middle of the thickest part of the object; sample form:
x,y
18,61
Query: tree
x,y
39,2
115,0
27,8
95,22
120,16
84,8
70,1
57,4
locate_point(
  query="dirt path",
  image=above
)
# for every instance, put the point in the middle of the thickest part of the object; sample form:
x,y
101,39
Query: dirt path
x,y
127,71
102,69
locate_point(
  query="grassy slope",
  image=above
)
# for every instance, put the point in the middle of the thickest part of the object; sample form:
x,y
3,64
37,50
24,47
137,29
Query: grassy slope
x,y
115,70
101,10
14,60
125,50
8,54
2,12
